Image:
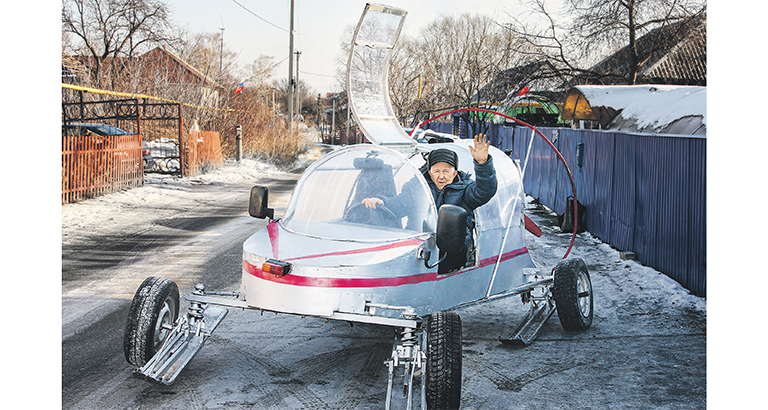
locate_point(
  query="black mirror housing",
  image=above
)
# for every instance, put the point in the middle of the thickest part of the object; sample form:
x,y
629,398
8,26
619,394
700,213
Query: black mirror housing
x,y
451,228
257,205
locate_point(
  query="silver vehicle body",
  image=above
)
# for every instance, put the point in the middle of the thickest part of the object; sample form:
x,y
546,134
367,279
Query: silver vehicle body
x,y
370,271
361,271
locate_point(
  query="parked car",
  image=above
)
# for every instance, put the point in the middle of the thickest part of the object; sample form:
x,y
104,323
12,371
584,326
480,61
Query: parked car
x,y
149,160
86,129
91,129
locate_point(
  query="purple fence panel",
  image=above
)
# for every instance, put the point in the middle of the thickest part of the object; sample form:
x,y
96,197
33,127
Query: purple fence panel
x,y
643,193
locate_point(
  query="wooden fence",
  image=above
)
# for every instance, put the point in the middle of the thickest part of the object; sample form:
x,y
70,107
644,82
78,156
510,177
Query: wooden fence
x,y
97,165
202,152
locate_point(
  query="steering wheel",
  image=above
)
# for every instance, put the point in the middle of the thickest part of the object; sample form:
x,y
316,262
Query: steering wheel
x,y
380,216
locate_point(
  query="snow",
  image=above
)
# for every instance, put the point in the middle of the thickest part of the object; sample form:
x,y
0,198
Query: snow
x,y
653,106
162,190
552,245
114,212
172,192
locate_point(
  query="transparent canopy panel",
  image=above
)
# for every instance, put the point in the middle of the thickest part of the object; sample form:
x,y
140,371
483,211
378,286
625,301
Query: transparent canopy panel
x,y
367,68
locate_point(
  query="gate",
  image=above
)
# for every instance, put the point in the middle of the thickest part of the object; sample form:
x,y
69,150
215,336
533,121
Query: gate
x,y
101,161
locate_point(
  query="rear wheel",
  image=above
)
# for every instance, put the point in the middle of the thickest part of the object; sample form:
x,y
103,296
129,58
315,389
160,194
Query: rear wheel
x,y
154,309
443,387
572,291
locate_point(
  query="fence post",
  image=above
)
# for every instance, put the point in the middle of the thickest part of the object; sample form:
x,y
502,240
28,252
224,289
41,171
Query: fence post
x,y
238,143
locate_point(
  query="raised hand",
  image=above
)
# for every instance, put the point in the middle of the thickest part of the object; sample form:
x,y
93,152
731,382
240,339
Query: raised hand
x,y
480,149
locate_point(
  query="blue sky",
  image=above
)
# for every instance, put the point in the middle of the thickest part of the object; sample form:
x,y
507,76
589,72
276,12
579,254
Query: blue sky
x,y
319,26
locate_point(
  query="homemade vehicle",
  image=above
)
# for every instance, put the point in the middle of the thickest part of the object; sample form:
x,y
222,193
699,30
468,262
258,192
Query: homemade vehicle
x,y
331,257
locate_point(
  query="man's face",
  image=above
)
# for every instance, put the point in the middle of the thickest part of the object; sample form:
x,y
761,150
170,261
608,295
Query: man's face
x,y
442,174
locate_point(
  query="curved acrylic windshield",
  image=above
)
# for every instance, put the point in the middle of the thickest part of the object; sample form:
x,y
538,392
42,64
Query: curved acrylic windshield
x,y
328,200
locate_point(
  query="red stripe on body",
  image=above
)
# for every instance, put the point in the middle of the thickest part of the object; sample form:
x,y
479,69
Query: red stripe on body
x,y
328,282
272,229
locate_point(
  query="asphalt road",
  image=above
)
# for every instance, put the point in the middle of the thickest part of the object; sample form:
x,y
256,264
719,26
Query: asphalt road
x,y
646,348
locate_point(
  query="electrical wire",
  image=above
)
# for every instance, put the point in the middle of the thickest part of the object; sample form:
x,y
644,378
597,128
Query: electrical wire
x,y
259,17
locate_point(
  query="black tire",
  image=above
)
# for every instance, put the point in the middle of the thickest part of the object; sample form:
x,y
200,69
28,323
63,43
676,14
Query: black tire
x,y
443,387
572,291
154,310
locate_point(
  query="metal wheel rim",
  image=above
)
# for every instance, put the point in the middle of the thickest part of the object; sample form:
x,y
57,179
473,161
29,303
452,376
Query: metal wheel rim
x,y
584,293
164,322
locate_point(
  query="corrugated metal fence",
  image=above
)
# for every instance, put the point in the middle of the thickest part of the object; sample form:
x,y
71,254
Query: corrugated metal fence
x,y
97,165
643,193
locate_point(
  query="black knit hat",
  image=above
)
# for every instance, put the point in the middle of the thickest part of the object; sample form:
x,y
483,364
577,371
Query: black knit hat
x,y
443,155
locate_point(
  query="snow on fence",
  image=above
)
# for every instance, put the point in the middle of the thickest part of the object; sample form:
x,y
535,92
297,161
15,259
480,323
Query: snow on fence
x,y
98,165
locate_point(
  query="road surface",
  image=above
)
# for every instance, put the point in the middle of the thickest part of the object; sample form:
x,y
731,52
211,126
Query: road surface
x,y
646,347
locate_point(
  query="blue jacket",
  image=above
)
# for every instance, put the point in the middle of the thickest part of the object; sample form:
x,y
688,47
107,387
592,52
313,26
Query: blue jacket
x,y
464,192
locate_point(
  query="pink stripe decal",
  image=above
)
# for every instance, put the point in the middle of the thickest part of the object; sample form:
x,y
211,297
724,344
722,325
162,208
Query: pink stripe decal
x,y
272,230
297,280
412,242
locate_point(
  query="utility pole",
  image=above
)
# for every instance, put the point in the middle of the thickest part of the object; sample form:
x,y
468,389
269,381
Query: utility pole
x,y
348,143
298,89
290,77
221,47
333,120
319,117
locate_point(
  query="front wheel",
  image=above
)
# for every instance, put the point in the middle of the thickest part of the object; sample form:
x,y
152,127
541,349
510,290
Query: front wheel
x,y
154,310
443,387
572,291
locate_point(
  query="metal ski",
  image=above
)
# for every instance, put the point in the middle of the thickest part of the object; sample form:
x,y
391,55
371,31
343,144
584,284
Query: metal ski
x,y
187,338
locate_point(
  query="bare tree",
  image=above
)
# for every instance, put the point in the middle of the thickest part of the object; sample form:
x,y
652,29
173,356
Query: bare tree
x,y
459,56
112,32
445,66
260,72
598,28
407,79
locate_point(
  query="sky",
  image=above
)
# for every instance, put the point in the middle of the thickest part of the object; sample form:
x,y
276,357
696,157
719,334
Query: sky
x,y
256,27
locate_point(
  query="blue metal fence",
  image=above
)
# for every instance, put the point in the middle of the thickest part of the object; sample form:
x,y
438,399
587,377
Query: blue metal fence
x,y
643,193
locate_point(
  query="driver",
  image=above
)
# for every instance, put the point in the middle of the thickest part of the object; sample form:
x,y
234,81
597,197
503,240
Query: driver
x,y
451,186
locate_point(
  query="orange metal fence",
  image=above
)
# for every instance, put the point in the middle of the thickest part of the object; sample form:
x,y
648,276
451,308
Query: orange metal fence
x,y
97,165
203,152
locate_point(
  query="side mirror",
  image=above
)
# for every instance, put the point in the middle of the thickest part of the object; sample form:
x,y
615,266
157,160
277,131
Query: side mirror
x,y
451,228
257,205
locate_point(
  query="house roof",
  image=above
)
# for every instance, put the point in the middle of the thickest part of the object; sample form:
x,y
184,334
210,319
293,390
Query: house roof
x,y
163,56
672,54
661,109
75,68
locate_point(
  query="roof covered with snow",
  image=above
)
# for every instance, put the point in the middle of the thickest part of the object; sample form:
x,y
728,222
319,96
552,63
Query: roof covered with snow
x,y
659,109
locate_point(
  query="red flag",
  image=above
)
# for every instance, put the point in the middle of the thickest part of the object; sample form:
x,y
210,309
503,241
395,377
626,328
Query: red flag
x,y
523,91
240,87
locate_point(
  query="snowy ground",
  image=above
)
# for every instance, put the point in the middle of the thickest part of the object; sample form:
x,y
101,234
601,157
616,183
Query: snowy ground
x,y
168,192
633,300
116,211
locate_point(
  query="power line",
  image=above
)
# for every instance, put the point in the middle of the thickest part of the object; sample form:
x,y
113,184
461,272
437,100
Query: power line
x,y
261,18
320,75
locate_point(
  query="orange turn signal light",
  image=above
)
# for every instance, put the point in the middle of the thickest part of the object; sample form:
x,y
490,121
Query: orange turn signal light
x,y
276,267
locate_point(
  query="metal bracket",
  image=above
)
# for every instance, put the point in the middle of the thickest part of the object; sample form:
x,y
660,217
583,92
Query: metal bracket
x,y
528,329
409,353
186,339
542,308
